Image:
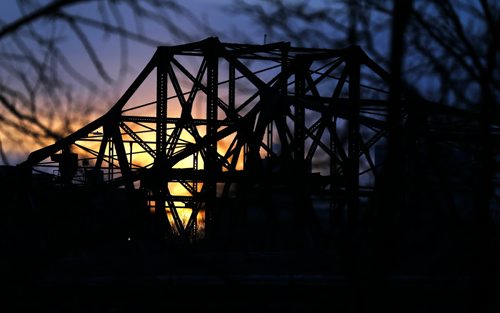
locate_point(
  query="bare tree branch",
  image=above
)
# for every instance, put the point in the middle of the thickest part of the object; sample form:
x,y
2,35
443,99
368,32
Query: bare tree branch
x,y
44,12
44,93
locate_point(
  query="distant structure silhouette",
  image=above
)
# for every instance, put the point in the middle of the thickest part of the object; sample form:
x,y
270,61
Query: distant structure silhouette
x,y
267,145
258,176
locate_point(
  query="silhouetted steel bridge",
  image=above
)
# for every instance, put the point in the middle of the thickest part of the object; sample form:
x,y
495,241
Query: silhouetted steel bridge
x,y
215,133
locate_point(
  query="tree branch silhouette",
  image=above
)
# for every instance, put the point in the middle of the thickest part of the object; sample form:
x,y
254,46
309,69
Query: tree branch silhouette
x,y
44,91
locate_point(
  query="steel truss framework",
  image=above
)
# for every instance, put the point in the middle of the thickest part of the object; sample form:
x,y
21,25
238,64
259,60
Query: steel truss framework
x,y
297,124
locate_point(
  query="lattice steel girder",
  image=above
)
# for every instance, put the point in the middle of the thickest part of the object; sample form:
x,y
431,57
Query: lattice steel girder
x,y
231,115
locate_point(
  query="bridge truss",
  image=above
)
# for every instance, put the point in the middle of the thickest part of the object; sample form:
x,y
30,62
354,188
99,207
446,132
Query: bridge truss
x,y
210,129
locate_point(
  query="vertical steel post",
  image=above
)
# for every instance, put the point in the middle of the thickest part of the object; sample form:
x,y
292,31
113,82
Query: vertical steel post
x,y
160,186
161,106
280,120
334,207
353,137
211,155
299,123
111,159
299,194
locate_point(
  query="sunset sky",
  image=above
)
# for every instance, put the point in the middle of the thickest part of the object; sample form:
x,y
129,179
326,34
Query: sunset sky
x,y
216,15
217,18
